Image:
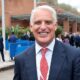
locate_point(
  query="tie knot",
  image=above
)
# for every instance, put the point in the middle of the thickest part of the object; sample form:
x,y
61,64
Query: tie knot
x,y
43,51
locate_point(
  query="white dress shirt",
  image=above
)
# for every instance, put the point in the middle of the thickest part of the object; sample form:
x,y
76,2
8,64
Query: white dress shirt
x,y
48,57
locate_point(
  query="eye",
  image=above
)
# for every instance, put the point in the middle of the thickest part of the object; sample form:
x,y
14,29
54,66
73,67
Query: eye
x,y
48,22
37,22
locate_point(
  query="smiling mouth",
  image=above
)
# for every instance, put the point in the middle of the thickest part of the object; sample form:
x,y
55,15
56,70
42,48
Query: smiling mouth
x,y
43,34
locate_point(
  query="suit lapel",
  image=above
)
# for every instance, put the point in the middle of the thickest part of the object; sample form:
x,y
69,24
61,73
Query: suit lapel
x,y
57,61
31,64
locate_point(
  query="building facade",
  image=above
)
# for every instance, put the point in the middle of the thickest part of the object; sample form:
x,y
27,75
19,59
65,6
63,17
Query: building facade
x,y
17,12
16,8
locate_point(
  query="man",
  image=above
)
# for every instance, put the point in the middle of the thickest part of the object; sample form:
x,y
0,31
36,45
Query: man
x,y
12,38
62,62
1,47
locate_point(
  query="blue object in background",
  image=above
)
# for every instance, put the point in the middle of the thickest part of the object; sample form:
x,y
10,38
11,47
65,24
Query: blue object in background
x,y
12,49
18,47
7,45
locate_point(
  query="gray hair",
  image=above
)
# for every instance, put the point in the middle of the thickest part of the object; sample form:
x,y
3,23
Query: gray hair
x,y
45,7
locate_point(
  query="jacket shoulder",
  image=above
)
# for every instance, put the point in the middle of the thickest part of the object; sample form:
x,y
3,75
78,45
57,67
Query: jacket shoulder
x,y
25,54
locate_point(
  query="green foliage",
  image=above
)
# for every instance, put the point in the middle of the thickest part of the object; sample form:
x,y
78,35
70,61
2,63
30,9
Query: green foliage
x,y
15,29
58,31
18,31
7,32
68,8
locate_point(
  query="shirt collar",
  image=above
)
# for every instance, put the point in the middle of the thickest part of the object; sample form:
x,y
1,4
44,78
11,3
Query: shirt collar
x,y
50,46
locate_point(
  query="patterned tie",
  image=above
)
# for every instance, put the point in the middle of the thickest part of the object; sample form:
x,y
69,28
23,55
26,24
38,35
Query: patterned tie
x,y
43,64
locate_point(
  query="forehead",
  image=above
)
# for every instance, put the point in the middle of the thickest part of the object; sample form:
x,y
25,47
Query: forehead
x,y
42,15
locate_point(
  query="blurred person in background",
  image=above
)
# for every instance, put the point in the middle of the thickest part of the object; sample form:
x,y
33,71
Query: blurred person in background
x,y
1,47
12,38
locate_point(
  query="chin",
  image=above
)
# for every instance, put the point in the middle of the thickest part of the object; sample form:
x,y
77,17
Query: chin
x,y
44,43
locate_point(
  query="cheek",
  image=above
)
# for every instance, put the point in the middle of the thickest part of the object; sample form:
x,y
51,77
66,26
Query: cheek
x,y
34,32
53,29
32,29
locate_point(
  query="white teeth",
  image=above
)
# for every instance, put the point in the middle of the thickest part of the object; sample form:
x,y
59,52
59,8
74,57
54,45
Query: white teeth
x,y
43,33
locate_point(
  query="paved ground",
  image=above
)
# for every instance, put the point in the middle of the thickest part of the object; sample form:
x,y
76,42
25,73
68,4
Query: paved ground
x,y
6,68
8,63
7,74
6,55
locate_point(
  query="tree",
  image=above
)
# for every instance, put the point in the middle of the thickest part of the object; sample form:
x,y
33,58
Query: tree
x,y
68,8
52,2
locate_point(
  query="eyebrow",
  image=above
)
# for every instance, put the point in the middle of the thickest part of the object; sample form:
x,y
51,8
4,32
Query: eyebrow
x,y
46,21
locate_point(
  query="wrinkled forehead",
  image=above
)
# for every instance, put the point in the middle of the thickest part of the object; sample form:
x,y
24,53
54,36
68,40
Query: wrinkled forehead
x,y
40,10
43,15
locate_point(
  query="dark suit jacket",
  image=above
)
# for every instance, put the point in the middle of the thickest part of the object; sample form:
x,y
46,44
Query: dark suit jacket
x,y
65,64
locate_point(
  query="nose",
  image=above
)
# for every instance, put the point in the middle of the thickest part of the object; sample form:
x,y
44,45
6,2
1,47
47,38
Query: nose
x,y
43,25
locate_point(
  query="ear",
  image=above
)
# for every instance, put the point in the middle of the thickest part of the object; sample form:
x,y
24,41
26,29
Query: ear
x,y
55,26
31,28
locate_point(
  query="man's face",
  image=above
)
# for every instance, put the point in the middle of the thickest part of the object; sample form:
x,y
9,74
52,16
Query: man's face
x,y
43,27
